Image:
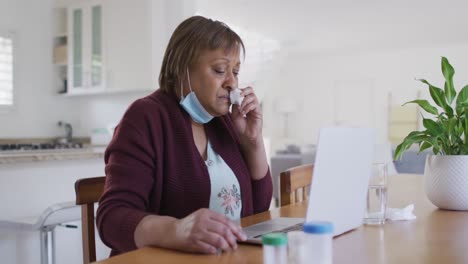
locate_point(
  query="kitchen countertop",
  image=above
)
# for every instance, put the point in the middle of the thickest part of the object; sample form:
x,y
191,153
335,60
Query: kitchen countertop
x,y
10,157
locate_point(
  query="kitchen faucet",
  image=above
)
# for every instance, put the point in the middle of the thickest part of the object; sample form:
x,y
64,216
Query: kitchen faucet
x,y
68,131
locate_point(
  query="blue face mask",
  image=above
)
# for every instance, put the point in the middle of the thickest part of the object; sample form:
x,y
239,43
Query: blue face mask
x,y
193,107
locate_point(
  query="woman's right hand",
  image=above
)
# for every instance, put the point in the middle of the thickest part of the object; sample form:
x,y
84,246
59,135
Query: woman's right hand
x,y
205,231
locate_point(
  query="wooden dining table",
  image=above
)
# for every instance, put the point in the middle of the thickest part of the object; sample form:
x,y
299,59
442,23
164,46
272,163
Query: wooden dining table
x,y
435,236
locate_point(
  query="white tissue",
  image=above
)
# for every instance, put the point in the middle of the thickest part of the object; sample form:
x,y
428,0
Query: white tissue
x,y
235,96
396,214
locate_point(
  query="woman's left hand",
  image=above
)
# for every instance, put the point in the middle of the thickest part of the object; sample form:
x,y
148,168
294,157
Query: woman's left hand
x,y
248,121
248,118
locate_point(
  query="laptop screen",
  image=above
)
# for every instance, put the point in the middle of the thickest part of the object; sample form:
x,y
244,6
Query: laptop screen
x,y
341,175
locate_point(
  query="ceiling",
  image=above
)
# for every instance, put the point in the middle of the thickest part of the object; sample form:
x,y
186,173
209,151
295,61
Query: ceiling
x,y
345,25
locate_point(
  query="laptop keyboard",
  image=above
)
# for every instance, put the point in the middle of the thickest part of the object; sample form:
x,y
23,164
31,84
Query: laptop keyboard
x,y
296,227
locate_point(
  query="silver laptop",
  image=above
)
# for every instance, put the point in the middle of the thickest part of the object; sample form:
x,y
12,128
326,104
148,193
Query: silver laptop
x,y
339,185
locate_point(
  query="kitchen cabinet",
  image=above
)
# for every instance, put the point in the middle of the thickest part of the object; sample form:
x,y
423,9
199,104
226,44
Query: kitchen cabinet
x,y
27,188
60,48
86,66
129,45
112,46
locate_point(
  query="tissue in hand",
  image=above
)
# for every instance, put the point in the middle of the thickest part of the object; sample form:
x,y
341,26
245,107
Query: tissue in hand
x,y
235,96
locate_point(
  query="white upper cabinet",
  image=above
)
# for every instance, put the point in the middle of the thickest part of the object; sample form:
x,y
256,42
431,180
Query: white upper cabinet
x,y
128,49
86,60
113,45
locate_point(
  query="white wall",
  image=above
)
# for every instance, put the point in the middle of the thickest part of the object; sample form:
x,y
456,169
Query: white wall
x,y
311,79
377,47
102,110
37,108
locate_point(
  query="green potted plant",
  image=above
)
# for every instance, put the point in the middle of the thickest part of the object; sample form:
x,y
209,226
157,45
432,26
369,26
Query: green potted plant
x,y
446,171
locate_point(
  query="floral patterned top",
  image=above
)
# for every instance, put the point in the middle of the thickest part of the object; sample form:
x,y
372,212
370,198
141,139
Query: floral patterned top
x,y
225,195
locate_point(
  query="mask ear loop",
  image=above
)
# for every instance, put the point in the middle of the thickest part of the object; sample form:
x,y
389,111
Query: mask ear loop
x,y
181,92
181,87
188,77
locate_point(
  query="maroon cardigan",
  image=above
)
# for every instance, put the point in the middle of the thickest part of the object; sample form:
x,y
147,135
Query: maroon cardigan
x,y
154,167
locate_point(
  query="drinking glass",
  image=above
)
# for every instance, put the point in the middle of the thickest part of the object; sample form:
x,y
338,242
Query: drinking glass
x,y
376,203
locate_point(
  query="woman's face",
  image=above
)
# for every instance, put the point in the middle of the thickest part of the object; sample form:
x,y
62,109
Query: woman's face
x,y
212,78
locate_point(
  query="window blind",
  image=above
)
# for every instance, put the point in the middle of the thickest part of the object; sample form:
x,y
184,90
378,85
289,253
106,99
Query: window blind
x,y
6,71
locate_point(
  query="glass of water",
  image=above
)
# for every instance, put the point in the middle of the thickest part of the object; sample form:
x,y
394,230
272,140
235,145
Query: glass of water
x,y
377,195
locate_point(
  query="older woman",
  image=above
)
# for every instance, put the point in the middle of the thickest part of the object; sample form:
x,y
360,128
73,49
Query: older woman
x,y
181,166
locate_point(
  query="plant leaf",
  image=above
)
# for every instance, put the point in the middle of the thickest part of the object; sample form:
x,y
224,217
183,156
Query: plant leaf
x,y
425,145
466,125
461,126
424,104
447,131
464,150
403,146
433,128
398,151
462,100
451,130
412,138
438,96
448,72
451,125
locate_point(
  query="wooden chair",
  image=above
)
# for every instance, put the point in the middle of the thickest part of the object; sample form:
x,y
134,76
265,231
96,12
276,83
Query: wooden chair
x,y
294,182
88,191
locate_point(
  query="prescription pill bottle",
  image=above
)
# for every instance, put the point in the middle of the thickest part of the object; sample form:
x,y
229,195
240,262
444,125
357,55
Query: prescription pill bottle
x,y
296,248
319,242
275,248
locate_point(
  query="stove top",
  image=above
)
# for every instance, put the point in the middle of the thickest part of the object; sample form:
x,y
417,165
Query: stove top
x,y
39,146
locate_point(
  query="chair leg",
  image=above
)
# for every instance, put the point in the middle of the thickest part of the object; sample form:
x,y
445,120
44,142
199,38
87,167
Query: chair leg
x,y
47,236
52,239
44,242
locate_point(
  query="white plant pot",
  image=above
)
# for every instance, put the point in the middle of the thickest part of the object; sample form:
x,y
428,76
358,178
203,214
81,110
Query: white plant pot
x,y
446,181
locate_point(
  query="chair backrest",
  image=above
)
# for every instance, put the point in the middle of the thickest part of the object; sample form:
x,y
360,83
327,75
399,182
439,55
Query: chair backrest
x,y
294,183
88,191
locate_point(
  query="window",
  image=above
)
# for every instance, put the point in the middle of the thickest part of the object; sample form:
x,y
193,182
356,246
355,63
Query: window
x,y
6,70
